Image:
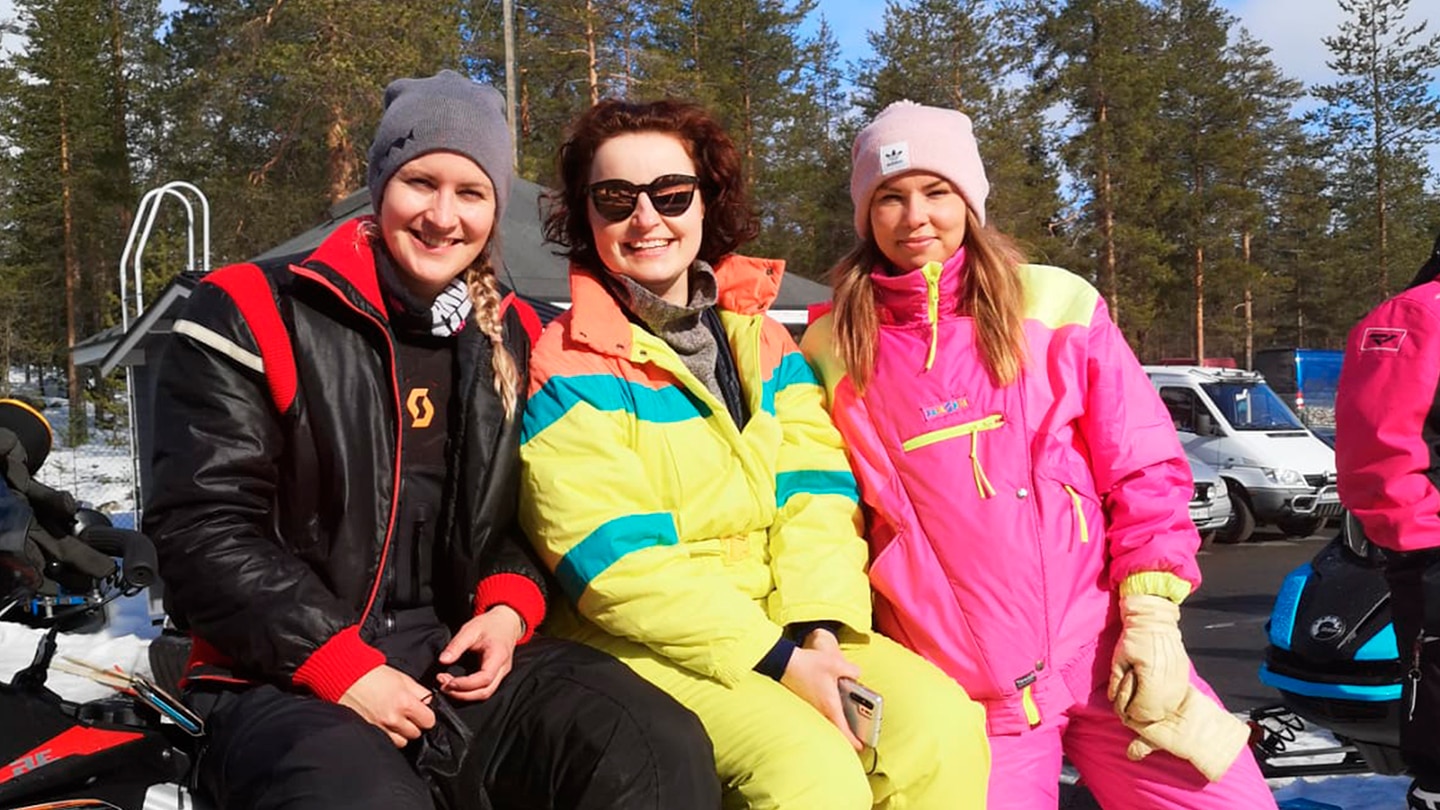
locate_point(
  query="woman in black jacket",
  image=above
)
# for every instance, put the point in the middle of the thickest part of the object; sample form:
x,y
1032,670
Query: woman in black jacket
x,y
334,495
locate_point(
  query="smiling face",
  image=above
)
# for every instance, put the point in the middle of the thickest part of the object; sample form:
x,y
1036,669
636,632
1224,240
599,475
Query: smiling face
x,y
436,216
917,218
655,251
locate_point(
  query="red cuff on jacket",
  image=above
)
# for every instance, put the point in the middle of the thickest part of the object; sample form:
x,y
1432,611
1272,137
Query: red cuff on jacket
x,y
338,664
516,592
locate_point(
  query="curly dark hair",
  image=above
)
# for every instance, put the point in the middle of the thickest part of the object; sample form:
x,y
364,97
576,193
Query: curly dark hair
x,y
729,220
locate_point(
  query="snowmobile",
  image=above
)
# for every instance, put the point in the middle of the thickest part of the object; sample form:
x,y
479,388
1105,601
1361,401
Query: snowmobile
x,y
1332,656
58,570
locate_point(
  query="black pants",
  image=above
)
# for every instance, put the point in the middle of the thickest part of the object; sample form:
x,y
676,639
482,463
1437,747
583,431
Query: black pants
x,y
569,727
1415,606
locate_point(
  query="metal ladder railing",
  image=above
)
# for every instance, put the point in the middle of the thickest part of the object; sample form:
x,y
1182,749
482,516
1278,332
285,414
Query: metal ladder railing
x,y
134,253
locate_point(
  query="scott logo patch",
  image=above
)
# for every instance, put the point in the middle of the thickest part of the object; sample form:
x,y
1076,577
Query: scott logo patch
x,y
945,408
1378,339
894,157
421,411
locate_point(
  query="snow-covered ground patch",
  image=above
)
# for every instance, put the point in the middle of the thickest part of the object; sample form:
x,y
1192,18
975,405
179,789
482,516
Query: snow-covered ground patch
x,y
99,473
1344,792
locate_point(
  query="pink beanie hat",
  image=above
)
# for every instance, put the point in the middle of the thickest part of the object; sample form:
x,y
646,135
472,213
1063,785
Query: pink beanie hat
x,y
907,137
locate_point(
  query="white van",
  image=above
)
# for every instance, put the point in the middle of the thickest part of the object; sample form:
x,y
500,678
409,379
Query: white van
x,y
1275,469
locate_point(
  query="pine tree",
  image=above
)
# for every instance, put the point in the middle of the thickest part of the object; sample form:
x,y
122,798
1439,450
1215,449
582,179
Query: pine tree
x,y
69,170
1382,111
570,54
1201,115
273,105
747,61
1101,60
1268,144
806,194
955,55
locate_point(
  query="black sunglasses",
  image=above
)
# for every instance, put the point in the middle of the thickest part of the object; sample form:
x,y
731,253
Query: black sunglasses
x,y
670,194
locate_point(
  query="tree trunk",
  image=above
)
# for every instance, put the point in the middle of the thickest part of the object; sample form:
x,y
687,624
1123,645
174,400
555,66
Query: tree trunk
x,y
1380,222
343,166
592,71
1378,108
696,71
74,390
524,105
1249,301
1198,183
1200,305
749,124
1109,284
120,99
120,147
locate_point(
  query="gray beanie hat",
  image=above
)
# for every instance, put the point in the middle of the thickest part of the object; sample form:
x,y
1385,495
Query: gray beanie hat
x,y
442,113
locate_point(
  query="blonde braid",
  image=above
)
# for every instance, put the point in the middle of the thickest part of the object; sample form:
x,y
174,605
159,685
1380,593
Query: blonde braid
x,y
484,292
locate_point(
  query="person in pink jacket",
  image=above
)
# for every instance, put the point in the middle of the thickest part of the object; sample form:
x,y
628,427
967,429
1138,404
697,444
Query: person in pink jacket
x,y
1026,491
1386,455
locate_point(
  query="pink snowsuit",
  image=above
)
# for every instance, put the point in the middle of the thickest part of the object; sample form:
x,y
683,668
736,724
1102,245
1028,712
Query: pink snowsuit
x,y
1003,521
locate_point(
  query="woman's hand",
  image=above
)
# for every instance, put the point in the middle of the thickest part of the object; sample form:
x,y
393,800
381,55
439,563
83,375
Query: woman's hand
x,y
391,701
814,673
492,635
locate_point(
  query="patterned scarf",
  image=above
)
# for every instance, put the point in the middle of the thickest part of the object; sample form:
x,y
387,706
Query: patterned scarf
x,y
450,309
446,314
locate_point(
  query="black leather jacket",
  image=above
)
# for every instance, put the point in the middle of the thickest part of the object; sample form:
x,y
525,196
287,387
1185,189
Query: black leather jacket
x,y
276,467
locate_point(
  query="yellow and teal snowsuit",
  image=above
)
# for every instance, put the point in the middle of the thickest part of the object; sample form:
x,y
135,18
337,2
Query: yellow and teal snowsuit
x,y
688,544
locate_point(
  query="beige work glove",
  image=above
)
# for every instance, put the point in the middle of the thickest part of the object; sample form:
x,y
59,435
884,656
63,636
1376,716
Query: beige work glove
x,y
1199,731
1151,650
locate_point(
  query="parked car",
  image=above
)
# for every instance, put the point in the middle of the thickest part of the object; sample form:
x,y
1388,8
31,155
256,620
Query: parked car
x,y
1275,470
1210,501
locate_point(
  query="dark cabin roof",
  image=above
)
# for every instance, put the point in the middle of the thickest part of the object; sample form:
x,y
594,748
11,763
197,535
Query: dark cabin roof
x,y
531,268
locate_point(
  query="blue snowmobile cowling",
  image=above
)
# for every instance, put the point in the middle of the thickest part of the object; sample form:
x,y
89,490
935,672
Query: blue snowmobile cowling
x,y
1332,653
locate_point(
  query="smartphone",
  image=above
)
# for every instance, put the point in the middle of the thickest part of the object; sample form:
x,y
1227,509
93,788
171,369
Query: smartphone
x,y
863,710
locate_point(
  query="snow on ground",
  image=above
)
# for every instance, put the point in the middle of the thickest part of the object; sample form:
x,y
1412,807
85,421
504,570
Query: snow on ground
x,y
1345,792
124,642
99,473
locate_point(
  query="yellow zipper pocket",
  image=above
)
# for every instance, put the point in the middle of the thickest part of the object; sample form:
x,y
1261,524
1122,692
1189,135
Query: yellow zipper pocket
x,y
1079,513
971,429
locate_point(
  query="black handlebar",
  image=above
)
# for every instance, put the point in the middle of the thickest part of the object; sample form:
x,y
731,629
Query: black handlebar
x,y
135,550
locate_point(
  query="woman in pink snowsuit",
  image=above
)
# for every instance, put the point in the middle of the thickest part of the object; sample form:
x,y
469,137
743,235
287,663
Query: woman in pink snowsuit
x,y
1027,493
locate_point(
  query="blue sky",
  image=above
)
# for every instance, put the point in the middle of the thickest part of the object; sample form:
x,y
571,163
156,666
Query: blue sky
x,y
1292,28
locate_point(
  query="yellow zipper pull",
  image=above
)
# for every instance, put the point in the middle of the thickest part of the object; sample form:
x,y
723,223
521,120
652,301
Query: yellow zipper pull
x,y
982,481
932,271
1079,513
1032,710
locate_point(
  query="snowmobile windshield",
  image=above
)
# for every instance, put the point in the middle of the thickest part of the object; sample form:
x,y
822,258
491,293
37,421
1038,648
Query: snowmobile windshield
x,y
1252,406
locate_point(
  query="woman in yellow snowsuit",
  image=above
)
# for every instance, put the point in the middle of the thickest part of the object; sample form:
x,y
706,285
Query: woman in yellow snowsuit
x,y
684,482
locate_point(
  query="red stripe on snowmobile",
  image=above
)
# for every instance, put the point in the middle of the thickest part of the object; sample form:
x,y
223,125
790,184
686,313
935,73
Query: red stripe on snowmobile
x,y
74,741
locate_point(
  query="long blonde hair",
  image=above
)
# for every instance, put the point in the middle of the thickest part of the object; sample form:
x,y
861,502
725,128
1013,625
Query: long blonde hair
x,y
484,290
992,295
